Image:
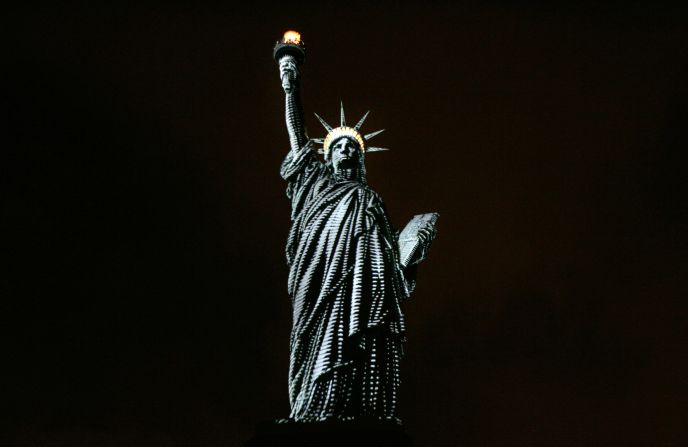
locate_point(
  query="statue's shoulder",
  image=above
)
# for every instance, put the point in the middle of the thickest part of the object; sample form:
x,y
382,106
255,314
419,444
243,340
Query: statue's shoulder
x,y
297,162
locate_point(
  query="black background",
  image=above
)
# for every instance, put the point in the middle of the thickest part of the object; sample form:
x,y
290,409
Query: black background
x,y
144,287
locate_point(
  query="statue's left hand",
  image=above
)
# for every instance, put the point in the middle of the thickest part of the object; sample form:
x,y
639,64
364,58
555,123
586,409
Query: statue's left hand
x,y
426,235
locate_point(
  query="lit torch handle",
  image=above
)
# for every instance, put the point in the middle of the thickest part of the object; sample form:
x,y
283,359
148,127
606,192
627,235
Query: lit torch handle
x,y
289,72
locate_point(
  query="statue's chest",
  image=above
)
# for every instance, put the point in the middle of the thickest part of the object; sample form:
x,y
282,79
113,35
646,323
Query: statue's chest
x,y
335,209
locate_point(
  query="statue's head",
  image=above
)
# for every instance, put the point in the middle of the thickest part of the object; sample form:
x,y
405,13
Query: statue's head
x,y
346,158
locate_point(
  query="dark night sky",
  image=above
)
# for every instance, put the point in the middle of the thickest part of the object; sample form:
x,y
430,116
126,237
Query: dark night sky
x,y
144,287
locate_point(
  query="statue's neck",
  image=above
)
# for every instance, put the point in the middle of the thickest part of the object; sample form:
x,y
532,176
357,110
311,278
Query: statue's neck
x,y
346,174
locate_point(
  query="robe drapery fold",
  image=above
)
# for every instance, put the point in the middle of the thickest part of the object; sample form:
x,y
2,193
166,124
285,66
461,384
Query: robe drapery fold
x,y
346,288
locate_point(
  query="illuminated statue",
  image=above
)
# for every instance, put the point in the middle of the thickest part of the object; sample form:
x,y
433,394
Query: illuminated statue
x,y
349,270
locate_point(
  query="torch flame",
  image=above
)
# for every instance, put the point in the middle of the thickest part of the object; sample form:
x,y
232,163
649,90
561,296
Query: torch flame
x,y
292,37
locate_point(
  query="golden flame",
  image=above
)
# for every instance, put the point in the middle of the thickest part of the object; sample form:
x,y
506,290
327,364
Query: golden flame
x,y
292,37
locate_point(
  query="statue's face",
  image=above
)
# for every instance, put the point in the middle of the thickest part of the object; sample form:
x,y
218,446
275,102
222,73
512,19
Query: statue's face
x,y
345,153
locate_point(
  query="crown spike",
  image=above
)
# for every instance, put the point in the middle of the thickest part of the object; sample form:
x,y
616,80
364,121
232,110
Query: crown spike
x,y
372,134
342,120
360,122
376,149
322,121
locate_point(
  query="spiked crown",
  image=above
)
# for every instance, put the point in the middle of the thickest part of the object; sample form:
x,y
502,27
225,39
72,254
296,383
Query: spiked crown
x,y
345,131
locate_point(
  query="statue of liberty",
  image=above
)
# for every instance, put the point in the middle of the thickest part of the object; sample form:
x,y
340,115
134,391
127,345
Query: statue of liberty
x,y
349,269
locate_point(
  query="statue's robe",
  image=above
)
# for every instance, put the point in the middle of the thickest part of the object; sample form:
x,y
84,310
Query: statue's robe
x,y
346,287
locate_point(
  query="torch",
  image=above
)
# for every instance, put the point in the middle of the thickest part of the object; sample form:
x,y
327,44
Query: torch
x,y
291,50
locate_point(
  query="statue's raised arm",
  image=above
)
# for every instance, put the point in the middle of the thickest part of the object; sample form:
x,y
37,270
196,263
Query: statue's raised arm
x,y
289,54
